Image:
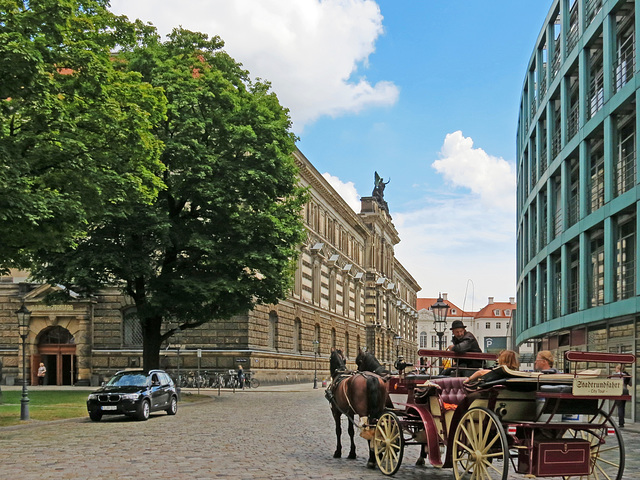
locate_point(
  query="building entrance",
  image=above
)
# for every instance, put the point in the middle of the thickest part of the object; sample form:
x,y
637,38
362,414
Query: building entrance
x,y
57,350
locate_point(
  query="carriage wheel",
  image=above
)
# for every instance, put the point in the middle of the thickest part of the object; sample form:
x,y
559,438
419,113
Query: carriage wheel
x,y
607,449
388,443
480,448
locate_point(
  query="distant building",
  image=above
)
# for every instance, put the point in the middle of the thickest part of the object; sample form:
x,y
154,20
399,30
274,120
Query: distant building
x,y
492,326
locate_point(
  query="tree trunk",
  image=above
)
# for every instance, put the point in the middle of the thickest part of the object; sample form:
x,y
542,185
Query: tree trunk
x,y
151,330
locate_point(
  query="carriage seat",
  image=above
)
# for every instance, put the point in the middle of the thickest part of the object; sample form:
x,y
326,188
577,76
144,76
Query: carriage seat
x,y
453,390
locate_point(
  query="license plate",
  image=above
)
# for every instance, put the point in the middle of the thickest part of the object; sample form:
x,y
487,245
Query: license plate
x,y
109,407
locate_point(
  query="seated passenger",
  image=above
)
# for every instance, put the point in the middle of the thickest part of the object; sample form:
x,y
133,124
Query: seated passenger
x,y
508,358
544,362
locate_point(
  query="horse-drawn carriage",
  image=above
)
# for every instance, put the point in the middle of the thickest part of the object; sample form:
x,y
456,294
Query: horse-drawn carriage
x,y
543,425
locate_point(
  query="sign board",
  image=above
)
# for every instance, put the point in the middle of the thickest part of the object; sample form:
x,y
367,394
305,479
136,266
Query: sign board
x,y
597,386
241,360
495,344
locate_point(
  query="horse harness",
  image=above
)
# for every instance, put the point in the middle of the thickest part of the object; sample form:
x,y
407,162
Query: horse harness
x,y
338,382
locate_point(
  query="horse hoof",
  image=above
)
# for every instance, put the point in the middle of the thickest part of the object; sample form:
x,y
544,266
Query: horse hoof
x,y
351,456
371,465
337,455
420,462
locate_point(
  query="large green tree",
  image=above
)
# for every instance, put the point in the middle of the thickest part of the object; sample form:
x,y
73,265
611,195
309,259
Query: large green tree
x,y
76,138
223,234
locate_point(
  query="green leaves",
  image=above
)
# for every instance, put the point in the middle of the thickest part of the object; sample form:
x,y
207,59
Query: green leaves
x,y
76,135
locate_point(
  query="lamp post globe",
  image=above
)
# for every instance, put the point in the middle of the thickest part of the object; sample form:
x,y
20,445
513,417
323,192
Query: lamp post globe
x,y
397,339
440,310
24,317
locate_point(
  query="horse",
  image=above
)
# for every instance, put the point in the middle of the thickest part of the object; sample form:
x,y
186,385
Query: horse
x,y
354,393
367,362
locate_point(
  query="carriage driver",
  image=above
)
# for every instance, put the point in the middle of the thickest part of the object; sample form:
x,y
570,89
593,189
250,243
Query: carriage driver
x,y
462,342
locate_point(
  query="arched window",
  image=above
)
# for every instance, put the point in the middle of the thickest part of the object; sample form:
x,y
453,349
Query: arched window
x,y
56,335
346,344
424,338
333,338
131,329
297,335
273,329
316,339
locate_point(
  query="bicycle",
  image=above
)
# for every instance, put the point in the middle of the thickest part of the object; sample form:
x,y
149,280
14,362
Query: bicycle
x,y
250,381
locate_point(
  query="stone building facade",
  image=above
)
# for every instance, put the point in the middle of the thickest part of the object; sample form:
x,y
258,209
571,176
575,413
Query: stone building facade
x,y
349,292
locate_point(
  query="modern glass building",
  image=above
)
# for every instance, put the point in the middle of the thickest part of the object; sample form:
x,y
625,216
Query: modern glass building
x,y
578,193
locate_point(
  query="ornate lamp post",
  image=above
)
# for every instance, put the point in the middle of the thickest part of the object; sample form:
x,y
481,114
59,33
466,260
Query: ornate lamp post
x,y
440,310
397,339
24,316
316,345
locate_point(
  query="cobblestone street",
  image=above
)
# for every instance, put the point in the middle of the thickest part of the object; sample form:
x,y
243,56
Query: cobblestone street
x,y
271,432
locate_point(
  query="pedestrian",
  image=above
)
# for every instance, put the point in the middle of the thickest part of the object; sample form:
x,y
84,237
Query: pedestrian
x,y
544,362
626,383
463,342
240,376
42,370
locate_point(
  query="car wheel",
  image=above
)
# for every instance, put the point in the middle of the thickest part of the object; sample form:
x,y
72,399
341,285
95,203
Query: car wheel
x,y
173,406
143,410
95,416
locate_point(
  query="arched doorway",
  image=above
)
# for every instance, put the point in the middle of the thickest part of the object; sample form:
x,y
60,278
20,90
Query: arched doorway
x,y
57,350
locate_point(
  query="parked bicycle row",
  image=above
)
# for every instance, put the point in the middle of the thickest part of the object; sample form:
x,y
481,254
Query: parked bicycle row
x,y
206,379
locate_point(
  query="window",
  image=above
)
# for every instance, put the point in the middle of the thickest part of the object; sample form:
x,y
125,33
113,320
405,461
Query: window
x,y
346,345
507,313
333,338
487,325
453,311
423,340
273,329
496,313
131,329
498,325
297,335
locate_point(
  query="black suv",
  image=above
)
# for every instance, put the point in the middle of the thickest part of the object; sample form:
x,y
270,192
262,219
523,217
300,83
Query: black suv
x,y
135,393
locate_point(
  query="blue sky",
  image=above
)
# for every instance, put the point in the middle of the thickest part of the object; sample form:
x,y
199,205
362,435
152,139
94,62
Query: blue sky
x,y
426,93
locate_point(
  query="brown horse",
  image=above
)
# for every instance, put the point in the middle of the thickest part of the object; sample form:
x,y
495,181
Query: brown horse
x,y
362,393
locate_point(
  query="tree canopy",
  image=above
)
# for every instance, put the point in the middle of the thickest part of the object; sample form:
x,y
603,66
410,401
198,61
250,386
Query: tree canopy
x,y
222,234
76,139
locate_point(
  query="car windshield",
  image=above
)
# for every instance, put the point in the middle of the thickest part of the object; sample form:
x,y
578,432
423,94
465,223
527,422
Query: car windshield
x,y
128,379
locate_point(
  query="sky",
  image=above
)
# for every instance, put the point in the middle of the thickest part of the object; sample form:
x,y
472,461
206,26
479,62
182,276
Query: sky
x,y
424,92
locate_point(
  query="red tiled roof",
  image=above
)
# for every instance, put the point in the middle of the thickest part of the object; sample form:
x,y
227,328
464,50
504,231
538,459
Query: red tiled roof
x,y
487,312
427,302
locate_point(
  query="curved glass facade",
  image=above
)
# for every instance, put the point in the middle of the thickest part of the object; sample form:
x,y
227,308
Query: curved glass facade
x,y
578,194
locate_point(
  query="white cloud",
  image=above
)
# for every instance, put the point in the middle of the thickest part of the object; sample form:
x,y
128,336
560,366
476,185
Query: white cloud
x,y
492,178
453,237
346,190
311,51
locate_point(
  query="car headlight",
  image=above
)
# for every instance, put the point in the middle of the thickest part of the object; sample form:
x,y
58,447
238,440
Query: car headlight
x,y
93,396
130,396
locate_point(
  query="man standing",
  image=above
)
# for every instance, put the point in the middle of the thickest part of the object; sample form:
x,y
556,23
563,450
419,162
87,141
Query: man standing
x,y
463,342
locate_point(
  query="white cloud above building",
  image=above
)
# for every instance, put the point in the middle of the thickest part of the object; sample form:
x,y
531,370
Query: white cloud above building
x,y
313,52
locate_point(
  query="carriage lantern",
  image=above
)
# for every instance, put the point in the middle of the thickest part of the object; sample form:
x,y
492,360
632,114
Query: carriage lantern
x,y
24,317
440,310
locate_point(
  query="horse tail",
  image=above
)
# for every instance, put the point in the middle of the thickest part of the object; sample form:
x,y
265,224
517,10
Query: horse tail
x,y
373,397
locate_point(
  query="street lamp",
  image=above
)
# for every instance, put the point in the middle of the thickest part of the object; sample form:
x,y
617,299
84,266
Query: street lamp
x,y
316,345
24,316
397,339
440,310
